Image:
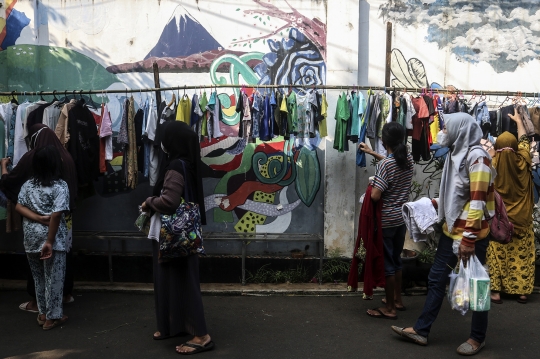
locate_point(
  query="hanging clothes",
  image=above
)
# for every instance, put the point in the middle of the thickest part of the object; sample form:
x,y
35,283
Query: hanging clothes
x,y
257,113
267,120
342,116
183,111
361,155
323,130
292,113
131,149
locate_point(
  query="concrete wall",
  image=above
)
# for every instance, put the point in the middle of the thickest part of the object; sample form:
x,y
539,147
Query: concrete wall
x,y
97,44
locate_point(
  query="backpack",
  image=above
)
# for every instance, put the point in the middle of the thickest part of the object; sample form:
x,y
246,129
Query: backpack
x,y
500,227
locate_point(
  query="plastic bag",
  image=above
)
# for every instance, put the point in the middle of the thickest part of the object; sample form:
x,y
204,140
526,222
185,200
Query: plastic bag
x,y
479,286
459,295
143,221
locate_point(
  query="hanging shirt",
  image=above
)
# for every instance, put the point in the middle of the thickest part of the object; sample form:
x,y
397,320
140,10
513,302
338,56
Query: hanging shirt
x,y
292,113
19,143
341,117
216,118
361,155
266,120
105,132
355,119
51,114
324,113
410,111
303,118
203,103
257,113
183,112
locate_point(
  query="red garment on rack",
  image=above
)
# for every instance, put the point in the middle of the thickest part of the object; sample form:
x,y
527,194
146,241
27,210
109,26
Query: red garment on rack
x,y
370,232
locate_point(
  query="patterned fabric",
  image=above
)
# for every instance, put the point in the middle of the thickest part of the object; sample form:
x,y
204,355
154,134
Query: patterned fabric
x,y
511,266
131,148
471,224
44,201
394,183
48,277
181,232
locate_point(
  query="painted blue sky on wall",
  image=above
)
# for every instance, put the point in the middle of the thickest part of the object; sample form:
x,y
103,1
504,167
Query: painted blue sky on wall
x,y
505,33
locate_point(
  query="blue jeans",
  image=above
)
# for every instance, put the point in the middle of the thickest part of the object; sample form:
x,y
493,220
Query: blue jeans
x,y
445,260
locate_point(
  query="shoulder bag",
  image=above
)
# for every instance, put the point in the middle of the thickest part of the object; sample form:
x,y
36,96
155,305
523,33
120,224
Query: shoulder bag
x,y
181,232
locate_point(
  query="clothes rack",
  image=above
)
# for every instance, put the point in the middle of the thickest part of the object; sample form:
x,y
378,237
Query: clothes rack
x,y
317,87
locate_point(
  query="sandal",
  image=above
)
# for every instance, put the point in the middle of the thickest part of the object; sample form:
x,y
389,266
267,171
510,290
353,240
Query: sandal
x,y
382,315
199,348
24,306
39,321
401,309
522,299
56,323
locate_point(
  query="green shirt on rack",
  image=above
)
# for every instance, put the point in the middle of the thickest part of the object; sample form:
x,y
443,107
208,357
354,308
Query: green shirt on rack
x,y
292,113
342,116
203,102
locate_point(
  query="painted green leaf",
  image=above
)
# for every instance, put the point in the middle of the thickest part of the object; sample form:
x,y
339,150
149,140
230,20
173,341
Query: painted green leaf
x,y
264,22
256,40
255,16
268,17
233,39
250,46
264,41
244,45
234,45
308,175
260,19
238,9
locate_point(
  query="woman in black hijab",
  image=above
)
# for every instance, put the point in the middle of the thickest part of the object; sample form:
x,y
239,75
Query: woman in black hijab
x,y
39,136
179,308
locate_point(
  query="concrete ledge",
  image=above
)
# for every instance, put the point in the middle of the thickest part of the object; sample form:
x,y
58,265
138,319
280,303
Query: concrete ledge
x,y
229,289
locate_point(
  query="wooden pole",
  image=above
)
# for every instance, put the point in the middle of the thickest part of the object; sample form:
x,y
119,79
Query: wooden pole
x,y
156,82
388,54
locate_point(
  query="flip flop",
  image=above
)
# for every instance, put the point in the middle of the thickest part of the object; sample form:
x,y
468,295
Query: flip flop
x,y
382,315
24,306
401,309
522,301
56,323
198,348
40,322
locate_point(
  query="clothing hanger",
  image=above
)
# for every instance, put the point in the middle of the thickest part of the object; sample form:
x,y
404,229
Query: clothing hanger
x,y
54,96
506,99
13,99
41,96
173,100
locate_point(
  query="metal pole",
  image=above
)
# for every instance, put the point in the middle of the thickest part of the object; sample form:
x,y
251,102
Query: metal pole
x,y
110,262
156,82
388,54
321,253
244,250
319,87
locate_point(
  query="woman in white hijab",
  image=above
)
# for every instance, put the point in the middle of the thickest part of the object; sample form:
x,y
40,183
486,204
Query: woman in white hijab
x,y
466,192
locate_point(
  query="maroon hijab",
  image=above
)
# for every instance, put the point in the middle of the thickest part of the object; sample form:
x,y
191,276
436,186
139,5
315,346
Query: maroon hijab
x,y
40,136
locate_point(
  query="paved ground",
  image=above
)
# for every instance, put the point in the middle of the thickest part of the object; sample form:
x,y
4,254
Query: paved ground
x,y
120,325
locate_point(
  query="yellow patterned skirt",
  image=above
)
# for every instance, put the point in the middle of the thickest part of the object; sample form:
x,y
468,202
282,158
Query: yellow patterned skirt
x,y
511,266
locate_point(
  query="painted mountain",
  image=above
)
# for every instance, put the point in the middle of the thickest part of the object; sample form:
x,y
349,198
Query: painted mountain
x,y
184,46
183,36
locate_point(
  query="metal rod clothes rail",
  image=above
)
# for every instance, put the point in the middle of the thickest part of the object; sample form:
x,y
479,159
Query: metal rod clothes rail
x,y
319,87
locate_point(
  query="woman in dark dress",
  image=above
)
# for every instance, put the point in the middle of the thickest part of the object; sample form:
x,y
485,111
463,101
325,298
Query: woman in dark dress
x,y
179,307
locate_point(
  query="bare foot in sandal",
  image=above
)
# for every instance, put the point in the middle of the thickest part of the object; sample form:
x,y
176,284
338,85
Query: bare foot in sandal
x,y
196,345
53,323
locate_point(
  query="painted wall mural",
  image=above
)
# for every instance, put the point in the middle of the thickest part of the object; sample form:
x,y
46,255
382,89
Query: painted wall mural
x,y
269,186
503,33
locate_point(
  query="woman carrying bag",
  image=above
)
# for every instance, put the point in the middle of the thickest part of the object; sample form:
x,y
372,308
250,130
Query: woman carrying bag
x,y
179,307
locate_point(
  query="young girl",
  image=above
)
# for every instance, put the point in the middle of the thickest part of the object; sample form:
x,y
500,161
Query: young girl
x,y
43,199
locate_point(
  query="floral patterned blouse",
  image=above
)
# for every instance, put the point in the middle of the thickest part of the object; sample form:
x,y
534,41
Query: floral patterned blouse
x,y
44,201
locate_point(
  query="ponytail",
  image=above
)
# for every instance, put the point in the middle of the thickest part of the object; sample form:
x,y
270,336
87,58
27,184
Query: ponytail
x,y
393,135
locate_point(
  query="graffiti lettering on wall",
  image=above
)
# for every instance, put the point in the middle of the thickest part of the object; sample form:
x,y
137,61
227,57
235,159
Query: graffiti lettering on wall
x,y
503,33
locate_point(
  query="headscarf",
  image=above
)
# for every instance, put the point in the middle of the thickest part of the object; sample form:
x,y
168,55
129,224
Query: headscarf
x,y
40,136
181,143
514,181
464,136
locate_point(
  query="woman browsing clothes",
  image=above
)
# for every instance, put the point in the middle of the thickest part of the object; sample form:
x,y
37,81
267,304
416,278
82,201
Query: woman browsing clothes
x,y
511,266
179,307
393,176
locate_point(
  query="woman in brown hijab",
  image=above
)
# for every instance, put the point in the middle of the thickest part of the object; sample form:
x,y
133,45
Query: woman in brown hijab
x,y
39,135
511,266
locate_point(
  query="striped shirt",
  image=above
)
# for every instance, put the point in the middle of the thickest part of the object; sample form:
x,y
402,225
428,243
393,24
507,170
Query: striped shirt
x,y
395,184
472,225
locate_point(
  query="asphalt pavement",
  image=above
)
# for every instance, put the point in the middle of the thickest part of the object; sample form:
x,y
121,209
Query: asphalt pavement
x,y
120,325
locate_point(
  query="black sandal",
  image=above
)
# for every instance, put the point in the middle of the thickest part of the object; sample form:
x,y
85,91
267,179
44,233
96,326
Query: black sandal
x,y
199,348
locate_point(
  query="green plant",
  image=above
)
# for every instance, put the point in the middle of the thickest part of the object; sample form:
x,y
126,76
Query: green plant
x,y
267,275
415,190
334,268
427,255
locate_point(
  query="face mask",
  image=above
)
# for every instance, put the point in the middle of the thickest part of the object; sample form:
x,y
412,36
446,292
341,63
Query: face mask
x,y
442,139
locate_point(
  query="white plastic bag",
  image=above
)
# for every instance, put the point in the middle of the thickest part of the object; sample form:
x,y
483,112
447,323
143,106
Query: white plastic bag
x,y
459,294
480,286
